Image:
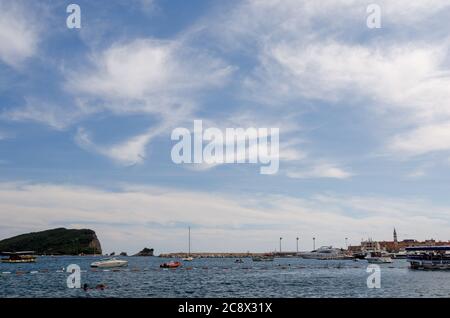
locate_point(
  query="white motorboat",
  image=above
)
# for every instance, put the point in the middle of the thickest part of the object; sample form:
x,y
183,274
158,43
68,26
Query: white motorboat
x,y
378,258
109,263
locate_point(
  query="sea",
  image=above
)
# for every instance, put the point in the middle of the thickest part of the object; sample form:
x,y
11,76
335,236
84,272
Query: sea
x,y
222,277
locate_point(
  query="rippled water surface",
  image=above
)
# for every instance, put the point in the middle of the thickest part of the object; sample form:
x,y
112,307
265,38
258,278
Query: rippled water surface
x,y
288,277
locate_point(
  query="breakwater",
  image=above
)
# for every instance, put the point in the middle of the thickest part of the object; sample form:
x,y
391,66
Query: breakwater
x,y
226,254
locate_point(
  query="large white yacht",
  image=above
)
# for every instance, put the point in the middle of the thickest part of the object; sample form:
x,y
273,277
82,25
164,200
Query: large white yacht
x,y
324,252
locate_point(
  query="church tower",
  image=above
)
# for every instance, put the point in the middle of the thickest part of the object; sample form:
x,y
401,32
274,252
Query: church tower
x,y
395,236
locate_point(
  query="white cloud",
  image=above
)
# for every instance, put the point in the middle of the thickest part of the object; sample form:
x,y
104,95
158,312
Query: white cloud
x,y
302,50
19,33
151,77
424,139
307,51
129,152
149,70
408,13
417,173
161,79
324,170
132,217
333,71
57,116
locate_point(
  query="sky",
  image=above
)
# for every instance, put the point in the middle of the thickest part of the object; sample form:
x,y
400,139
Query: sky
x,y
86,117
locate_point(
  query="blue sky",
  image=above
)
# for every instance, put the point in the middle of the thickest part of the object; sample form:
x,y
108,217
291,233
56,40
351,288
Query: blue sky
x,y
86,117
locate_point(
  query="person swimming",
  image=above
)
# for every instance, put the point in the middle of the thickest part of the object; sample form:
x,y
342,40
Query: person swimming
x,y
97,287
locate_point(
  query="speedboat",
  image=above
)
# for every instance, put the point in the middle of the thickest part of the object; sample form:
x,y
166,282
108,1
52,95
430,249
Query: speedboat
x,y
171,264
109,263
378,258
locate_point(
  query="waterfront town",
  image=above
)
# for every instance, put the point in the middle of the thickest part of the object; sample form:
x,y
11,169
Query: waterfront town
x,y
394,246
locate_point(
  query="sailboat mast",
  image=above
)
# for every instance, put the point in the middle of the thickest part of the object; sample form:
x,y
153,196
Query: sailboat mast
x,y
189,252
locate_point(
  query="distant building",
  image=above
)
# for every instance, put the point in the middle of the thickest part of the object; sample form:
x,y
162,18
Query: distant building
x,y
370,245
394,246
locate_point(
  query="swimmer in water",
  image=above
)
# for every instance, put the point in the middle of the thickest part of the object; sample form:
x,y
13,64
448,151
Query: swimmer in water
x,y
98,287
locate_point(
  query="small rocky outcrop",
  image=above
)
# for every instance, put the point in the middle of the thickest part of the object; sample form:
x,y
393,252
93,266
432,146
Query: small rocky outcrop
x,y
145,252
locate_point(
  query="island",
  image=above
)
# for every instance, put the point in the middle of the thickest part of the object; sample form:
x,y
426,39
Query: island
x,y
145,252
58,241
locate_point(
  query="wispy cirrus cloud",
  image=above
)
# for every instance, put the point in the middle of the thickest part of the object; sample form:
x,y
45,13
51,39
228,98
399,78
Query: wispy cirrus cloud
x,y
324,53
57,115
427,138
149,77
306,67
159,73
321,170
281,57
129,152
159,79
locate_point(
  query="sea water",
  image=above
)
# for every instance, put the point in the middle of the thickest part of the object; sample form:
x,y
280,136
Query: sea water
x,y
217,277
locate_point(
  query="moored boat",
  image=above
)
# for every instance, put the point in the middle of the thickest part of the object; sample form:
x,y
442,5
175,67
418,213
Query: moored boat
x,y
171,264
189,258
19,257
378,258
429,257
360,255
326,253
400,255
109,263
